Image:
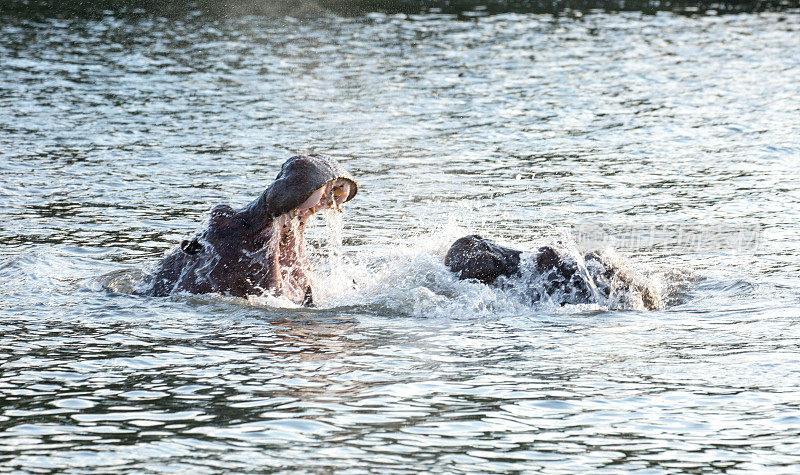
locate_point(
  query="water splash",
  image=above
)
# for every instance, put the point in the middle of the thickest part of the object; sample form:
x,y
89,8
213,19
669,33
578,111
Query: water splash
x,y
411,279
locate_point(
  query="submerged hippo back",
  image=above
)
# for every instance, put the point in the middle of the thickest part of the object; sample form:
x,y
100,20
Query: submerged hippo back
x,y
554,274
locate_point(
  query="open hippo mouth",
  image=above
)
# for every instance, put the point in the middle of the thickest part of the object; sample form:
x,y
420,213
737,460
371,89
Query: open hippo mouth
x,y
260,248
287,250
330,196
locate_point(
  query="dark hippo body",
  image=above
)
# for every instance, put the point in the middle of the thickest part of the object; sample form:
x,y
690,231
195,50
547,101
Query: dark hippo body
x,y
261,247
599,277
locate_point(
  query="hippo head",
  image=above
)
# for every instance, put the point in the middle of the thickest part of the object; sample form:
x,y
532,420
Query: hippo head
x,y
474,257
305,184
260,248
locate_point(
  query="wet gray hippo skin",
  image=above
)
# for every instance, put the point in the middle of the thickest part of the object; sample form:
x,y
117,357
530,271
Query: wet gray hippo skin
x,y
474,257
261,247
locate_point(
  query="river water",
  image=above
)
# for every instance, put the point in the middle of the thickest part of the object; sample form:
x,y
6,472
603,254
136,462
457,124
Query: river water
x,y
673,139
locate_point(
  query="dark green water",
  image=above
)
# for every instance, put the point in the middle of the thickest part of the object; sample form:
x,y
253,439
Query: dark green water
x,y
464,8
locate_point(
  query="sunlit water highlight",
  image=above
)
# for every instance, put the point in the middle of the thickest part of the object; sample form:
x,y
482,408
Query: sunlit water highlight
x,y
117,136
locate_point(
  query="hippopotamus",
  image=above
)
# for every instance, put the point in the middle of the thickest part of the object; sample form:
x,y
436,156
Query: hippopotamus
x,y
260,248
552,273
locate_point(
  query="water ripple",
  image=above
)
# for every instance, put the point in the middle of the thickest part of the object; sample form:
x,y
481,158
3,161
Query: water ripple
x,y
118,134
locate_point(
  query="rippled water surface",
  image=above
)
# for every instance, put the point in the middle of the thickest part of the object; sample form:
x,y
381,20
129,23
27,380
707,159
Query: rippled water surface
x,y
676,138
